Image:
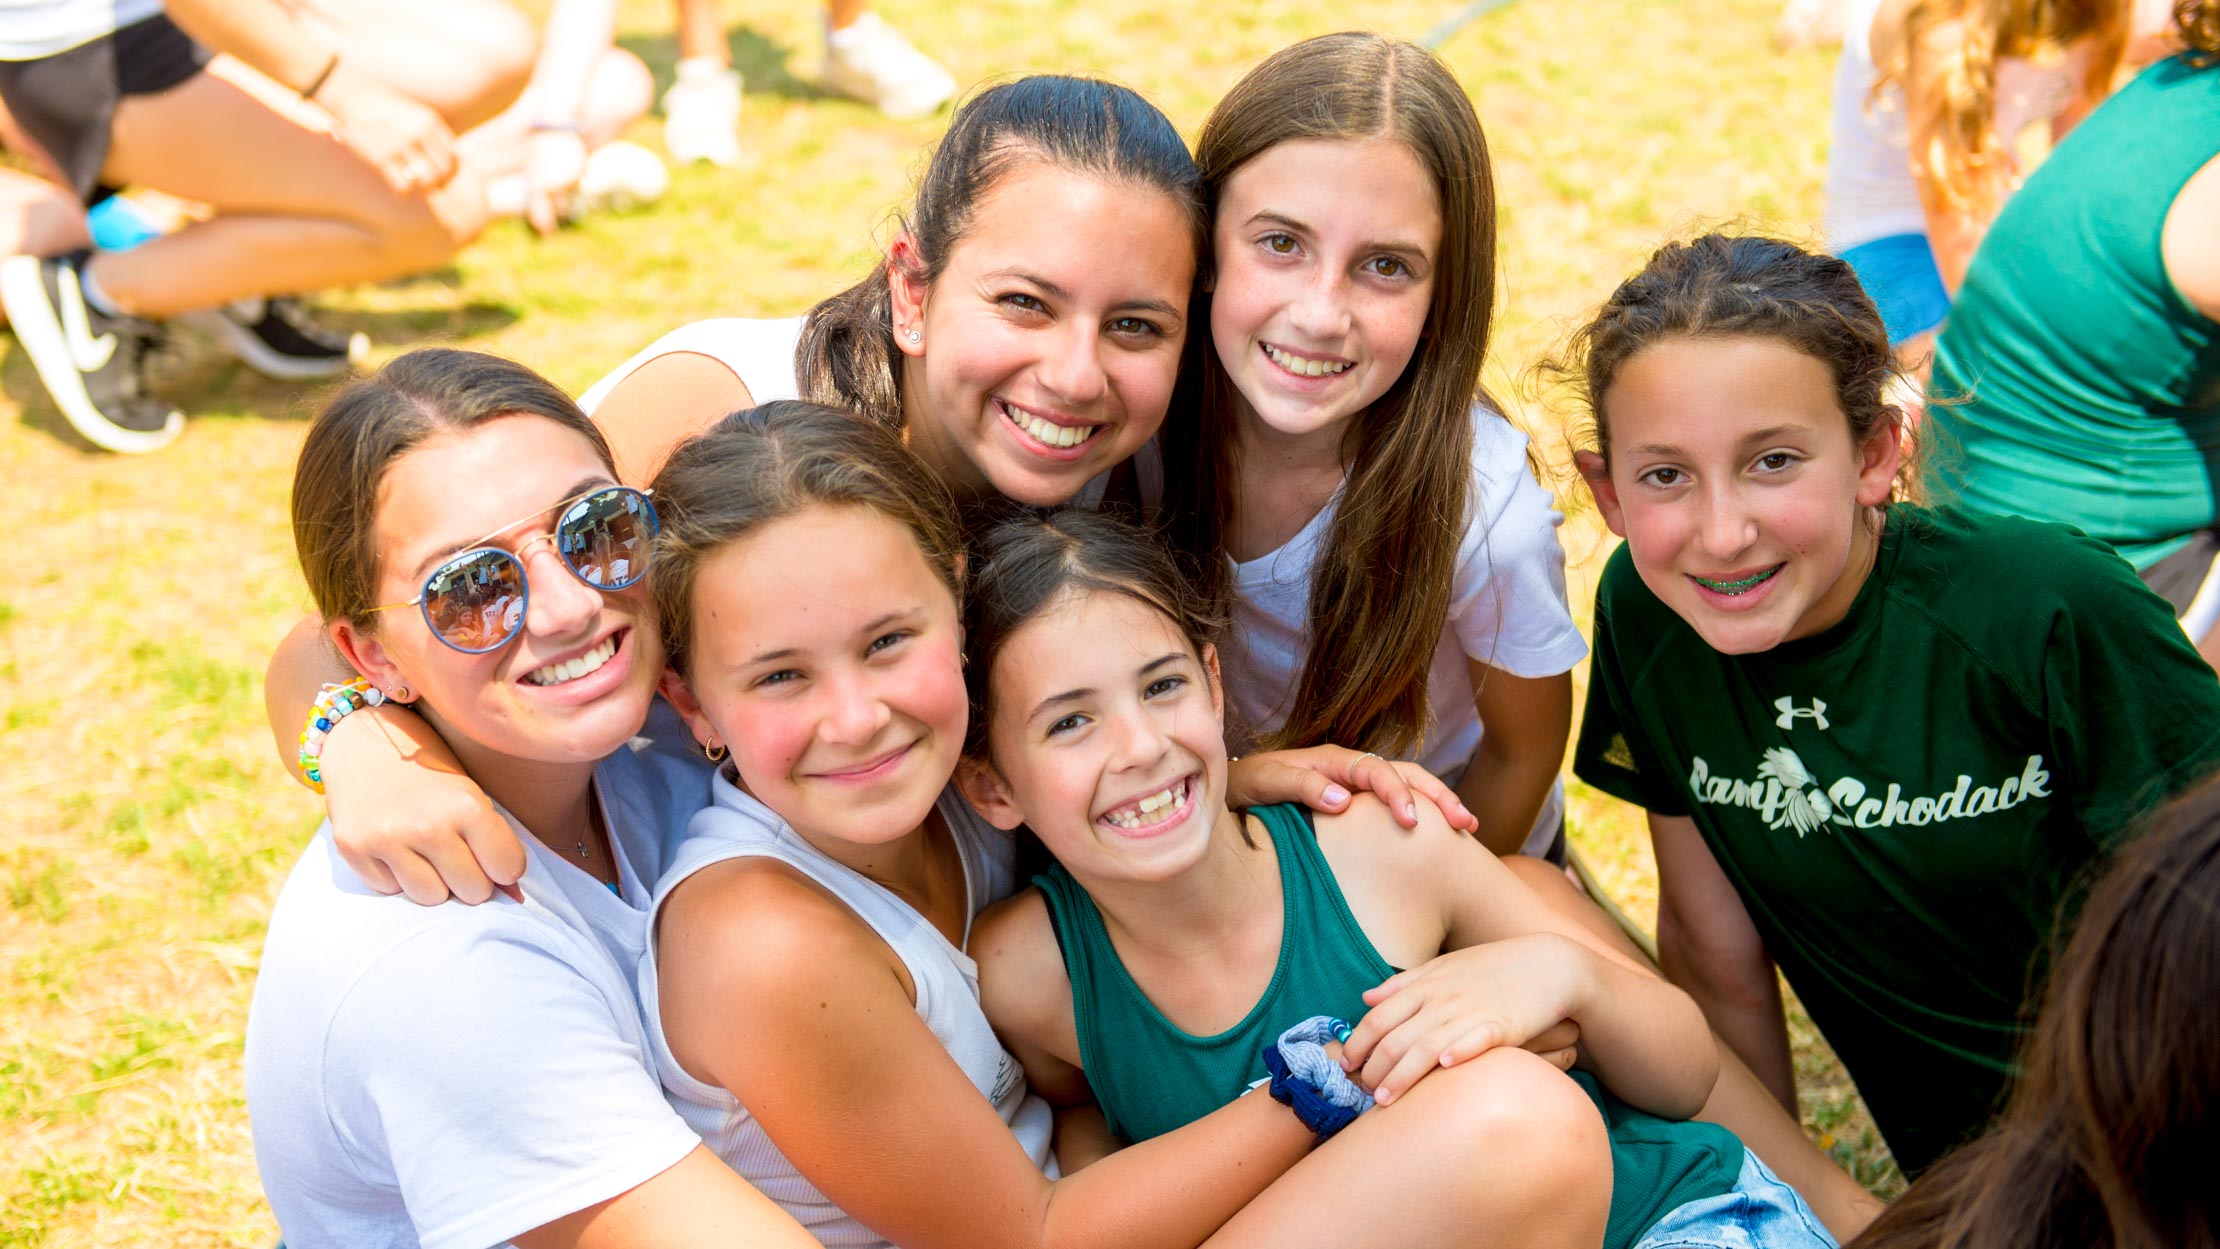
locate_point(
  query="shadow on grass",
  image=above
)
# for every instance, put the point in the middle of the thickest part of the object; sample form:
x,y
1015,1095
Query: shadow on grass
x,y
763,65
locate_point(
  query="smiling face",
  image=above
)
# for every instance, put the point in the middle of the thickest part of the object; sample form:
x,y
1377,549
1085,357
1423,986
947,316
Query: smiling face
x,y
827,657
1326,252
575,682
1049,342
1736,483
1106,739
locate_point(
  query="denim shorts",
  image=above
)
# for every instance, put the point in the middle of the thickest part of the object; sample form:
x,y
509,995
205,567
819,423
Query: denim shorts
x,y
1759,1212
1899,273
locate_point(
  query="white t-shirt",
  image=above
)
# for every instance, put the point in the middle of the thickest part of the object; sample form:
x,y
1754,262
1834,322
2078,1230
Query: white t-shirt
x,y
452,1076
1506,609
736,826
30,29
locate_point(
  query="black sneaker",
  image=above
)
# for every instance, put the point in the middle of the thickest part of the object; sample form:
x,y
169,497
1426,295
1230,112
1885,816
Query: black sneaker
x,y
91,363
275,338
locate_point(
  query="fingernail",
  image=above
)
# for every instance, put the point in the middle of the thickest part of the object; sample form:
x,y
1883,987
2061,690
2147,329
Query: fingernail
x,y
1336,794
1410,811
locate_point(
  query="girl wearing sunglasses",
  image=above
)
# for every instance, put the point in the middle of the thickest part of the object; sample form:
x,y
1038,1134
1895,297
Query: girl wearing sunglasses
x,y
473,1075
965,338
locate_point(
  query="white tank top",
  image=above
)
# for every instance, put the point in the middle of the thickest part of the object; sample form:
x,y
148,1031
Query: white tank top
x,y
1870,191
736,826
759,353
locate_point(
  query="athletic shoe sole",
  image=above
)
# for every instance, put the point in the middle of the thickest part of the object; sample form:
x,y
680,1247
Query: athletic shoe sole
x,y
257,355
31,314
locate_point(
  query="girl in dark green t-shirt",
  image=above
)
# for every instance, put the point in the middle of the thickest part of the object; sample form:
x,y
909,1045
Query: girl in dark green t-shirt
x,y
1878,743
1177,937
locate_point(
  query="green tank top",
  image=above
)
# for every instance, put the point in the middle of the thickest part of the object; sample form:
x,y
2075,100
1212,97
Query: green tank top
x,y
1151,1077
2079,385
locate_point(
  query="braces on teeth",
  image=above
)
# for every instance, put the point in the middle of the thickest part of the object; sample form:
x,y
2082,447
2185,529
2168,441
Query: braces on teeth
x,y
1737,587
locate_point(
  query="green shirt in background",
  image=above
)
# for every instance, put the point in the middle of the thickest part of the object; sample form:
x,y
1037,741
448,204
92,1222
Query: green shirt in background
x,y
2074,382
1150,1077
1905,801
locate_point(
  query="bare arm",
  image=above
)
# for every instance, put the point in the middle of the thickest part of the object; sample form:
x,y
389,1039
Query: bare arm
x,y
408,142
1525,724
2189,244
697,1204
780,995
662,404
1708,946
404,816
1513,968
2190,240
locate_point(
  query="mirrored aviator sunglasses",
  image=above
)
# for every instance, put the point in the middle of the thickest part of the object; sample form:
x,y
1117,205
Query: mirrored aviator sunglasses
x,y
475,601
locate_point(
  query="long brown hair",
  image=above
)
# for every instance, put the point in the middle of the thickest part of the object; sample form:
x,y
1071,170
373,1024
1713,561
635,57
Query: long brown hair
x,y
1381,585
369,425
762,464
1968,161
2107,1140
847,357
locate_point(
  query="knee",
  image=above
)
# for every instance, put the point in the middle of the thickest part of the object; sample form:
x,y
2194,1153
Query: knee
x,y
426,230
1540,875
1538,1130
621,91
503,47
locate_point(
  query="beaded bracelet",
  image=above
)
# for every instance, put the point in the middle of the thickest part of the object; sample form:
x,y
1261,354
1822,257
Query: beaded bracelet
x,y
333,704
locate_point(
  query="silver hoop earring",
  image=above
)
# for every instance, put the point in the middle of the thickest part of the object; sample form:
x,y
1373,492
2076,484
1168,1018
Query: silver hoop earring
x,y
916,337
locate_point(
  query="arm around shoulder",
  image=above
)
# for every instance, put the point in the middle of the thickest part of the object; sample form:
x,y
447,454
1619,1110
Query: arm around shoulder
x,y
810,1027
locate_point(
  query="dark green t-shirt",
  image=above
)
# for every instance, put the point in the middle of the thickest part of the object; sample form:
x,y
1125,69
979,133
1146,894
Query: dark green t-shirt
x,y
1151,1077
1905,800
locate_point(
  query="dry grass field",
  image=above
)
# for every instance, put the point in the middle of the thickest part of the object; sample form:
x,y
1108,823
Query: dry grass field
x,y
147,823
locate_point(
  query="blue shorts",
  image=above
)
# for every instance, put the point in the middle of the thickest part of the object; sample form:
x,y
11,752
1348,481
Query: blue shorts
x,y
1899,273
1759,1212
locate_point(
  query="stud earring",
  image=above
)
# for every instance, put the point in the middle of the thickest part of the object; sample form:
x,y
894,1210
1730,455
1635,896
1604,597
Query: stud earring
x,y
398,694
915,336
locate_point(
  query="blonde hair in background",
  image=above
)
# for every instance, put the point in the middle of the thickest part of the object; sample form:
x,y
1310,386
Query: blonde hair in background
x,y
1951,112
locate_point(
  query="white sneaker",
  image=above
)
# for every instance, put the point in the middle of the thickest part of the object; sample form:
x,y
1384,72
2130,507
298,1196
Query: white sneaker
x,y
871,61
620,176
701,113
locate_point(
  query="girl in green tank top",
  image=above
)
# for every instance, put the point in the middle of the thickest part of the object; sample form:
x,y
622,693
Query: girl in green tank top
x,y
1177,936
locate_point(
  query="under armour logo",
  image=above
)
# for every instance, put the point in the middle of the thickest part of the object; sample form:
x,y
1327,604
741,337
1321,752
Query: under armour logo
x,y
1789,711
89,354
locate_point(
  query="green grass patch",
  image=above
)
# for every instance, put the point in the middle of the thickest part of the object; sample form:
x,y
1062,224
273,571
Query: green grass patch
x,y
38,884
